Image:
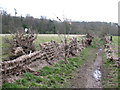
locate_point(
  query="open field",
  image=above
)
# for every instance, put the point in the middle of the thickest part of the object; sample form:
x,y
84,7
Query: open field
x,y
116,40
116,44
41,38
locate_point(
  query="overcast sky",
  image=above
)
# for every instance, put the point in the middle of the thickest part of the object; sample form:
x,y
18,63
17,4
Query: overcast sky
x,y
79,10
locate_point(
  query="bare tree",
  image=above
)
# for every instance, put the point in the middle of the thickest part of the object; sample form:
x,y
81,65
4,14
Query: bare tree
x,y
65,37
15,11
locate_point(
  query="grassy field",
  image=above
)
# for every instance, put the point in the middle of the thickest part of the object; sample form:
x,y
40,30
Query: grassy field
x,y
116,44
41,38
48,37
116,41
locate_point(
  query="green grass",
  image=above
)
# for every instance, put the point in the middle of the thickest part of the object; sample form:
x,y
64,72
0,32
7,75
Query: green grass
x,y
97,42
4,45
0,48
44,38
111,77
110,74
55,76
40,39
116,44
116,40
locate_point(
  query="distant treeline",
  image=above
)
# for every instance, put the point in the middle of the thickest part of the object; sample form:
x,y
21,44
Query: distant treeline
x,y
47,26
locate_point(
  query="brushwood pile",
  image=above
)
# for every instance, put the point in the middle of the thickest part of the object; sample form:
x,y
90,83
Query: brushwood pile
x,y
49,52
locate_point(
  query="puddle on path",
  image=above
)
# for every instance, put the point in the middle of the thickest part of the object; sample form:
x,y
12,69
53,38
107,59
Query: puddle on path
x,y
97,75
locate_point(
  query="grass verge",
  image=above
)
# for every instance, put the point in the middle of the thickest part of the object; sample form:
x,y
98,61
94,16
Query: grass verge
x,y
111,77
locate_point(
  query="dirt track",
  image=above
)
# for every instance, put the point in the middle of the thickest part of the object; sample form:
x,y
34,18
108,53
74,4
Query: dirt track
x,y
86,77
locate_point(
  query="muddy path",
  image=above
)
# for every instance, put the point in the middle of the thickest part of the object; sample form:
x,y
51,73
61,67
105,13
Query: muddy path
x,y
89,74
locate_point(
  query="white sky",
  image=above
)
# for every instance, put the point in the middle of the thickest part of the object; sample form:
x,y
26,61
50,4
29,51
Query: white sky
x,y
79,10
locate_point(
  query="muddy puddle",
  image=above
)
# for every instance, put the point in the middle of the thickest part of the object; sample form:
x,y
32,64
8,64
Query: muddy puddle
x,y
97,75
90,74
94,74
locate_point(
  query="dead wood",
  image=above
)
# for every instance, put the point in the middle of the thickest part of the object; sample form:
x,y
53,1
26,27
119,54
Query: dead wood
x,y
20,44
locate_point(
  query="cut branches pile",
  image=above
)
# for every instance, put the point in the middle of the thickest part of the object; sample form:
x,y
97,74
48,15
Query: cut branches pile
x,y
20,44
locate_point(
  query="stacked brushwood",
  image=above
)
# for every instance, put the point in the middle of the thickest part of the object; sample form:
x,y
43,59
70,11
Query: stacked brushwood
x,y
49,52
110,54
89,39
21,44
